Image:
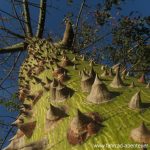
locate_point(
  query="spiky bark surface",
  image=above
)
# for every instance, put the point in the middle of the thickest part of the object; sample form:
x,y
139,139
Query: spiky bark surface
x,y
37,87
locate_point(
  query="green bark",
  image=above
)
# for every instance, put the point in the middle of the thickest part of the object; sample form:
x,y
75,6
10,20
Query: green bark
x,y
37,93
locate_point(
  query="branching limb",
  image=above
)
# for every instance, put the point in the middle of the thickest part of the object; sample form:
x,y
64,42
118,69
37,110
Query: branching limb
x,y
5,59
37,5
7,135
11,117
9,131
42,16
4,124
95,41
12,16
4,89
27,18
15,10
12,68
14,48
68,35
77,22
12,33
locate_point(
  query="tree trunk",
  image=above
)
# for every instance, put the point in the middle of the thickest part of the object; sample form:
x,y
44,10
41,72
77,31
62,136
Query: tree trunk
x,y
48,105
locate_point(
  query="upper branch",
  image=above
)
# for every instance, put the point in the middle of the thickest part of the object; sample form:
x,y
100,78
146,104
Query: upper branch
x,y
12,33
77,22
68,35
15,10
27,18
42,16
14,48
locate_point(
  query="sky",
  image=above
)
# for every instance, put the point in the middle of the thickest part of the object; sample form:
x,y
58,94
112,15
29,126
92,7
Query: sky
x,y
54,25
56,13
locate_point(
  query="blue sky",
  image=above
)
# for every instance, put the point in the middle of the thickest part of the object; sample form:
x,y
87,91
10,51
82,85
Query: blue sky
x,y
54,23
55,16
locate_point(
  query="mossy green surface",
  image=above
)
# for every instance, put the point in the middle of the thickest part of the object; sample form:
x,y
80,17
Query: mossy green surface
x,y
118,119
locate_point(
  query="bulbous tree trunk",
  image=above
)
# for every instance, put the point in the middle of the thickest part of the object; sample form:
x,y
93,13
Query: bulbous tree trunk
x,y
55,111
66,101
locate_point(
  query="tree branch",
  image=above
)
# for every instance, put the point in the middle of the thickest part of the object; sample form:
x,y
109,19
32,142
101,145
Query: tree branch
x,y
11,15
42,16
68,34
29,3
27,18
5,90
14,48
5,59
77,22
9,131
15,10
12,68
4,124
11,117
12,33
95,41
37,5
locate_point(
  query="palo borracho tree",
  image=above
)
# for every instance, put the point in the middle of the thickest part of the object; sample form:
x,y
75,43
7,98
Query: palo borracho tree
x,y
27,39
66,99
